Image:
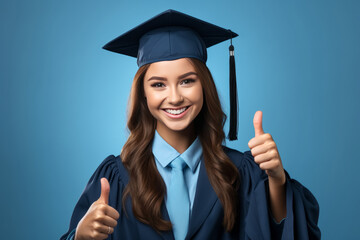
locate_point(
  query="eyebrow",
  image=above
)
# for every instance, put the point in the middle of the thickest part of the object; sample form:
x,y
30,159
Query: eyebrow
x,y
180,77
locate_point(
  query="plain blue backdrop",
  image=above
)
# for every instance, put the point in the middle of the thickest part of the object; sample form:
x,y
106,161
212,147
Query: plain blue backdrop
x,y
63,98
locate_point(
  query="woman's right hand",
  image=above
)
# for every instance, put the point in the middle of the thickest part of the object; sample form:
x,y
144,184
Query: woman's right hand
x,y
100,220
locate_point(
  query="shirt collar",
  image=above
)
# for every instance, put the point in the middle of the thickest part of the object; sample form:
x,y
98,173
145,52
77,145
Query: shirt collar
x,y
165,153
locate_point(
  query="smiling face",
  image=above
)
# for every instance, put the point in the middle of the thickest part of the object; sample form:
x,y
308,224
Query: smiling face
x,y
174,94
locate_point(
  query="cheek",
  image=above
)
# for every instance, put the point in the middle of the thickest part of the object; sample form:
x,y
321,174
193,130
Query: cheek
x,y
152,107
153,100
197,96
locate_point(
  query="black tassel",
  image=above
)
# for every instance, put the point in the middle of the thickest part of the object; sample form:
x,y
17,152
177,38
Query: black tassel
x,y
233,97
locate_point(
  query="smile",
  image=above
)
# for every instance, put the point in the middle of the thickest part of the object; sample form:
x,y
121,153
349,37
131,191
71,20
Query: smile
x,y
176,113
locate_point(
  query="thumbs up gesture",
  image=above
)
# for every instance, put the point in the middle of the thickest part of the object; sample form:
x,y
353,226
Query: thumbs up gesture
x,y
100,219
265,152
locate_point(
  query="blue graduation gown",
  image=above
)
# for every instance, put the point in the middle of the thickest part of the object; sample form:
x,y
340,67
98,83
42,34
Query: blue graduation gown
x,y
255,221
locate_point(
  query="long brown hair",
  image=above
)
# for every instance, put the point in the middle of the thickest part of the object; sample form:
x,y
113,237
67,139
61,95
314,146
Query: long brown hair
x,y
146,187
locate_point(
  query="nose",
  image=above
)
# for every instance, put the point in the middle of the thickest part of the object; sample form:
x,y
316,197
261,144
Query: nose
x,y
175,97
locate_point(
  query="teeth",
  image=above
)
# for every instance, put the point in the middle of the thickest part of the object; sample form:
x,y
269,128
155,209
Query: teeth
x,y
175,112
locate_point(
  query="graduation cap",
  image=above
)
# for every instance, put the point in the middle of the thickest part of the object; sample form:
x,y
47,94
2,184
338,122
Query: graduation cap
x,y
172,35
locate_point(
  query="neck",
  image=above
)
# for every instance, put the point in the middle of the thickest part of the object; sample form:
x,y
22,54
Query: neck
x,y
179,140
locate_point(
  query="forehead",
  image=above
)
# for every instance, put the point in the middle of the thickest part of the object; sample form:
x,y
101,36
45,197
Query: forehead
x,y
170,68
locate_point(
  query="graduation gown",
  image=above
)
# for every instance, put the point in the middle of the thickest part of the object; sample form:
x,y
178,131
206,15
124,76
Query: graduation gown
x,y
254,222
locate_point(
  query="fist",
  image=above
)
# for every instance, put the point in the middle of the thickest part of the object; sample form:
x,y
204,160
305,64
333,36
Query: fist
x,y
100,220
265,152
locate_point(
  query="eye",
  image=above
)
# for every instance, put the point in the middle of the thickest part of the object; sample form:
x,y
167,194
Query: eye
x,y
157,85
187,81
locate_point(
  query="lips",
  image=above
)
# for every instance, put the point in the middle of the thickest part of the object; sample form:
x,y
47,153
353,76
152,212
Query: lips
x,y
176,112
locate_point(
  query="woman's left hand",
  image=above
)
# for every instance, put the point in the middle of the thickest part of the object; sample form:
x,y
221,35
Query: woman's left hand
x,y
265,152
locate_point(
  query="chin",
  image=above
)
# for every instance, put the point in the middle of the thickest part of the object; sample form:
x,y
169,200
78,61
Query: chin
x,y
176,127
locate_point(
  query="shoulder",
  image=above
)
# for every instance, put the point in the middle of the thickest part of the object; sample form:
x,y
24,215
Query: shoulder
x,y
112,168
239,158
249,170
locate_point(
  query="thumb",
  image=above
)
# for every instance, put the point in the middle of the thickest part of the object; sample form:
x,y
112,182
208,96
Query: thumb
x,y
105,190
258,123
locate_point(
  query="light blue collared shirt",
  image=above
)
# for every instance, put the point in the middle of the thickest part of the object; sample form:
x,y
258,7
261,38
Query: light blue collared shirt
x,y
164,154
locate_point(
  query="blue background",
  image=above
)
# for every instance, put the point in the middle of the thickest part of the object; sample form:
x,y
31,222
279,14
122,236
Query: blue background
x,y
63,98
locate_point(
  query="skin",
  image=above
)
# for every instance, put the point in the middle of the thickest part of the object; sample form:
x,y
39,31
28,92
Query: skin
x,y
100,220
266,154
174,85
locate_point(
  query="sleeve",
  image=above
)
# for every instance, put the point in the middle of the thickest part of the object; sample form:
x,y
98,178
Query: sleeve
x,y
108,169
301,206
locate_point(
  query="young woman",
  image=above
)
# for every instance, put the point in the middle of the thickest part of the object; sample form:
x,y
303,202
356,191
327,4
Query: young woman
x,y
174,179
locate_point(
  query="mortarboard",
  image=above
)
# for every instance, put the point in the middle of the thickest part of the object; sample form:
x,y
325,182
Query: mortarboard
x,y
172,35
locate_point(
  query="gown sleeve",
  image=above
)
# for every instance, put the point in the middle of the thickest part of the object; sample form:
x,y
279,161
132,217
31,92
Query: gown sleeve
x,y
301,207
108,169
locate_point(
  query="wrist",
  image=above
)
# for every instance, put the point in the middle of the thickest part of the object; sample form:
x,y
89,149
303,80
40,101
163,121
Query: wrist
x,y
278,181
